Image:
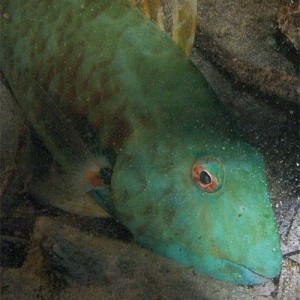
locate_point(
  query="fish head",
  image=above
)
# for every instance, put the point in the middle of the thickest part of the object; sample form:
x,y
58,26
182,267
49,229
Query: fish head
x,y
203,205
238,222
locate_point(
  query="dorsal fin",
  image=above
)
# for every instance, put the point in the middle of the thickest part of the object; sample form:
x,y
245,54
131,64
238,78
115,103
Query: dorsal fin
x,y
176,17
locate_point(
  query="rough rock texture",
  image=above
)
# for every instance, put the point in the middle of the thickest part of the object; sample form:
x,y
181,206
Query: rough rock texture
x,y
288,18
242,38
66,263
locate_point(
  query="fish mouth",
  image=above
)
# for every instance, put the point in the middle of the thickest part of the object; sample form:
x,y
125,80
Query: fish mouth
x,y
239,274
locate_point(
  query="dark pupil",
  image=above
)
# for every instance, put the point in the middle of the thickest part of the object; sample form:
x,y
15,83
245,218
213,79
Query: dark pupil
x,y
205,178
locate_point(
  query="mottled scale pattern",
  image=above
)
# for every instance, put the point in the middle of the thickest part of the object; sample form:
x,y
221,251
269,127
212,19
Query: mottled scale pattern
x,y
90,80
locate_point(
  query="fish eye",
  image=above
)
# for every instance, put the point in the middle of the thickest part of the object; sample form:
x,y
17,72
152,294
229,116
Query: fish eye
x,y
205,178
207,175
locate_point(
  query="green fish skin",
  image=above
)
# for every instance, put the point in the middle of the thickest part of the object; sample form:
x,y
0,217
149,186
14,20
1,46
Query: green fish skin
x,y
183,182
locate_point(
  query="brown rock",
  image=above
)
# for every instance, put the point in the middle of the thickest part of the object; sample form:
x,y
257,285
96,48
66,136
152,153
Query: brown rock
x,y
67,263
240,36
288,18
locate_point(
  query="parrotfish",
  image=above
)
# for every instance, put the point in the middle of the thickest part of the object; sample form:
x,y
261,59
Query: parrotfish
x,y
136,127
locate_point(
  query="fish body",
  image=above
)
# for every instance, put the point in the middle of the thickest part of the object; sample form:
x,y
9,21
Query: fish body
x,y
97,75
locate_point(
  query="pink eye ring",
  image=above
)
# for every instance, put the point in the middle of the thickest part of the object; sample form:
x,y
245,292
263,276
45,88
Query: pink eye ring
x,y
204,179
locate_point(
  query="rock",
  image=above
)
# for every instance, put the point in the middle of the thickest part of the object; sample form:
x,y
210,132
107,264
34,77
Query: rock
x,y
13,251
289,285
288,19
67,263
291,241
14,240
240,37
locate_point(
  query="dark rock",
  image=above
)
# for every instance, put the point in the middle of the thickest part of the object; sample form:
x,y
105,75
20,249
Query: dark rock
x,y
240,37
101,226
13,251
66,263
15,234
97,267
19,227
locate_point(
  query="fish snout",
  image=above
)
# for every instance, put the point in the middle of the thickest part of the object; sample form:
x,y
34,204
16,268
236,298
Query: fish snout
x,y
239,274
258,264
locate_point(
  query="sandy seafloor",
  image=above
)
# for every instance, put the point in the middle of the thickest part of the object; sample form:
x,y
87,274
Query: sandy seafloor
x,y
48,254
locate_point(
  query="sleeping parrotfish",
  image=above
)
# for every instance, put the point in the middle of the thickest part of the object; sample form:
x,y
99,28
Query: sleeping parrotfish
x,y
135,125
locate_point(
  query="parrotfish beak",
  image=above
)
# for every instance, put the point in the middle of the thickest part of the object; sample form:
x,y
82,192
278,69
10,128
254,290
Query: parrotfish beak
x,y
259,270
238,274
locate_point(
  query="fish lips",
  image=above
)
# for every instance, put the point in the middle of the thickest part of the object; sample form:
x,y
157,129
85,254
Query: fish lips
x,y
238,274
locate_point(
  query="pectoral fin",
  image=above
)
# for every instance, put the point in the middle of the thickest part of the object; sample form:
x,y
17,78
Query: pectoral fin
x,y
102,197
63,191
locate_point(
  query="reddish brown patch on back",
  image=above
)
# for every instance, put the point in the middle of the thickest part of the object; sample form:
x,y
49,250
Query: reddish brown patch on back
x,y
87,79
120,131
71,94
145,120
73,69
